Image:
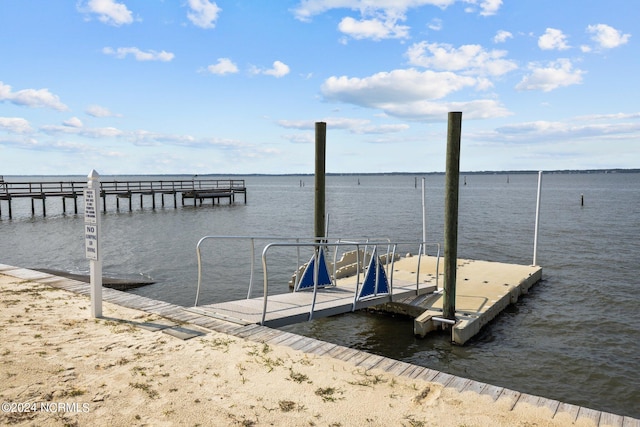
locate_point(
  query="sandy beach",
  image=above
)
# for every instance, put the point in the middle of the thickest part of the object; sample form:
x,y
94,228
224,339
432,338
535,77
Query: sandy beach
x,y
60,367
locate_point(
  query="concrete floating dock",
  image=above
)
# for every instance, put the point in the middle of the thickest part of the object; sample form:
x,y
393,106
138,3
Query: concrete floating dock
x,y
483,290
191,324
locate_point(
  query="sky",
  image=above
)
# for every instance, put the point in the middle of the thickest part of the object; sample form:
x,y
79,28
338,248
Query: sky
x,y
236,87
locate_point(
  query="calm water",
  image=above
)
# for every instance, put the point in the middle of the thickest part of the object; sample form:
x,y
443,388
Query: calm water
x,y
575,337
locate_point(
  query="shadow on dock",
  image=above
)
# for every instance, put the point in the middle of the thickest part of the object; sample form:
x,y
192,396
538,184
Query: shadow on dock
x,y
119,284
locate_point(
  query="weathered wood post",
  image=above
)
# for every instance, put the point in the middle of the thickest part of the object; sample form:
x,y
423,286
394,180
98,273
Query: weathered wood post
x,y
452,182
319,212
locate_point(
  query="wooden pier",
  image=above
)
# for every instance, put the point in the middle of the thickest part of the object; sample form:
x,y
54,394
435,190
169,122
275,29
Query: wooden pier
x,y
198,190
183,323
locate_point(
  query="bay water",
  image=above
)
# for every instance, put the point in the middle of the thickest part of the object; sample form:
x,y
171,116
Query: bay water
x,y
575,337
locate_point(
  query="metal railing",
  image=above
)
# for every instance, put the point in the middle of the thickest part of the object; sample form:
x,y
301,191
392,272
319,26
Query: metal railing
x,y
364,250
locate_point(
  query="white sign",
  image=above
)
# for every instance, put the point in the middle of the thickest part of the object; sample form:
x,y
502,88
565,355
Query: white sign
x,y
91,241
90,206
90,224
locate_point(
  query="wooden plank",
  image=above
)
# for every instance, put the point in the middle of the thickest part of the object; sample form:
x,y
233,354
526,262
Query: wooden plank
x,y
630,422
459,383
567,411
443,378
370,362
302,343
509,397
550,404
474,387
611,420
427,375
590,414
323,349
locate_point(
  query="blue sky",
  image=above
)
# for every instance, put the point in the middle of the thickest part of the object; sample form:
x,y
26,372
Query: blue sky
x,y
202,86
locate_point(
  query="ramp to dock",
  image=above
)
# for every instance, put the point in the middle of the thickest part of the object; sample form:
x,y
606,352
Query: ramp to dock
x,y
296,307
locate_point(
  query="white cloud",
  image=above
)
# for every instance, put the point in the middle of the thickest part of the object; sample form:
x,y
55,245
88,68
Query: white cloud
x,y
355,126
98,111
607,37
222,67
435,24
31,98
73,122
473,59
547,78
502,36
553,39
576,128
108,11
375,29
204,13
428,111
15,125
138,54
280,69
379,18
490,7
397,86
95,133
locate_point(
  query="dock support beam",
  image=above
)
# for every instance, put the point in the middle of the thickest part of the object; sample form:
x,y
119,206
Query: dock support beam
x,y
452,183
319,212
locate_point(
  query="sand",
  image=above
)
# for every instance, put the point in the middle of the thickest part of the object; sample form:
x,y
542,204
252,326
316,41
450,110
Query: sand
x,y
60,367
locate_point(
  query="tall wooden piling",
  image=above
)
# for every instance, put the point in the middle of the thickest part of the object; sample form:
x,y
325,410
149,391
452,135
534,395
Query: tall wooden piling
x,y
452,182
319,210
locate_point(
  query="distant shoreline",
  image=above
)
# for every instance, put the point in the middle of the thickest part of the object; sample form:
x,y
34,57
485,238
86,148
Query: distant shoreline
x,y
507,172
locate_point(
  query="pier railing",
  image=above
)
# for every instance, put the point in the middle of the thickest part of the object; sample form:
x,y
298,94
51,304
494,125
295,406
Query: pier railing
x,y
351,257
196,189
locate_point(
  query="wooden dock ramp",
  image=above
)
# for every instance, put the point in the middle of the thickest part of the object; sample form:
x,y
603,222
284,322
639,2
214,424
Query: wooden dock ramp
x,y
296,307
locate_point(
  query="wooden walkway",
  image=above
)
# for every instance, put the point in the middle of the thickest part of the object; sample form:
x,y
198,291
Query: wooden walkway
x,y
194,322
196,189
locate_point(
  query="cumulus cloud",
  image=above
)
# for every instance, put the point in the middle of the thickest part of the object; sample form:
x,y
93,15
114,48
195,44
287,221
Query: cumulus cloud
x,y
31,98
472,59
379,19
138,54
395,86
15,125
279,69
553,39
222,67
502,36
203,13
98,111
108,11
555,74
489,7
606,36
73,122
375,29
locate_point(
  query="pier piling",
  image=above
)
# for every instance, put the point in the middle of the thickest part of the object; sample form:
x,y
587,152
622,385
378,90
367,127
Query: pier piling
x,y
319,213
452,182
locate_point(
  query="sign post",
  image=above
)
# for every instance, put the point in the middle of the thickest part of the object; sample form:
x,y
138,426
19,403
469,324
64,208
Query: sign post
x,y
92,240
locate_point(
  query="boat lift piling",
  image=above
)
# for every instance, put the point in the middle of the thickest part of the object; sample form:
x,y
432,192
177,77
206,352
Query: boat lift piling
x,y
452,182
